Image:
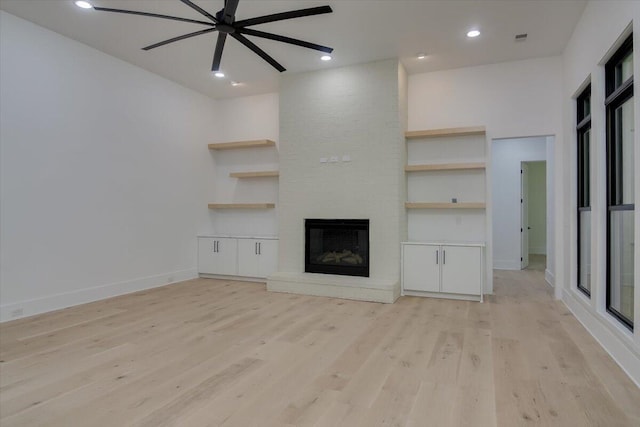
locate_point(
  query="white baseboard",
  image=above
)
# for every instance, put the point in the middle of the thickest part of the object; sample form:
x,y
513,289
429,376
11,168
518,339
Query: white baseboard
x,y
35,306
615,342
506,264
550,278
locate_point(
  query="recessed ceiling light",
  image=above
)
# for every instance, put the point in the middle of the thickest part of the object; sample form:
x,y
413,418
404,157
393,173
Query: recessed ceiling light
x,y
84,4
473,33
326,57
421,55
234,83
219,74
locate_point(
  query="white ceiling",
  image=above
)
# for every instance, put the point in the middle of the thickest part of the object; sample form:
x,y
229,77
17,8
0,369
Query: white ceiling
x,y
359,31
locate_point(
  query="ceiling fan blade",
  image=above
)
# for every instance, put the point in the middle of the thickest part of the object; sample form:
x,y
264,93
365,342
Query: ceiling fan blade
x,y
284,15
182,37
217,56
279,38
199,10
153,15
229,13
248,43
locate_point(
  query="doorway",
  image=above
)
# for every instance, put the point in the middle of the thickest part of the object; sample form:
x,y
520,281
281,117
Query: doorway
x,y
533,215
509,243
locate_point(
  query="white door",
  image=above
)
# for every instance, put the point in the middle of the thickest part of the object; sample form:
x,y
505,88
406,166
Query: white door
x,y
461,270
421,268
267,257
524,215
248,258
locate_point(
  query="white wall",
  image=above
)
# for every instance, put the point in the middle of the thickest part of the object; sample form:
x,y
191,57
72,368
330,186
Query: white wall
x,y
246,118
603,26
508,154
103,173
512,99
537,206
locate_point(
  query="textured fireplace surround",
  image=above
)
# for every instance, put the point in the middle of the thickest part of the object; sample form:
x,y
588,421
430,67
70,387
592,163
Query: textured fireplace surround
x,y
342,155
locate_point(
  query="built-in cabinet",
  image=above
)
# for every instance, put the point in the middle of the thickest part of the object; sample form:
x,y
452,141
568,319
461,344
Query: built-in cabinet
x,y
240,256
237,256
446,270
257,257
446,192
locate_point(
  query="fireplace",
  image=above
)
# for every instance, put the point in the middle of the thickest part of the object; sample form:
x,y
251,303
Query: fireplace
x,y
337,246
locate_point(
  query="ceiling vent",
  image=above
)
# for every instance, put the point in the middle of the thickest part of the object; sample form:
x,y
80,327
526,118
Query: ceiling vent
x,y
521,37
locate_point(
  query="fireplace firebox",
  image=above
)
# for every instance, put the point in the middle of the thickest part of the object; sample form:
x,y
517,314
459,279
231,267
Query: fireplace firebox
x,y
337,246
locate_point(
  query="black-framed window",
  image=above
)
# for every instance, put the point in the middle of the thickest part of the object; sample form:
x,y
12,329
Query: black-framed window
x,y
620,184
583,124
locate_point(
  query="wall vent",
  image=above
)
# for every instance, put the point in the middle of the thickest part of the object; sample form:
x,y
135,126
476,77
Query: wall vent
x,y
521,37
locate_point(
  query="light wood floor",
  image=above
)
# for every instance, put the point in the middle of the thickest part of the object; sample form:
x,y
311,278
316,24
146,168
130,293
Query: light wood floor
x,y
220,353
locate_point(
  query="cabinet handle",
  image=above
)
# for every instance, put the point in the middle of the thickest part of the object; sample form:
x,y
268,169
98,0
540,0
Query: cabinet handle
x,y
444,257
215,246
259,248
437,255
255,248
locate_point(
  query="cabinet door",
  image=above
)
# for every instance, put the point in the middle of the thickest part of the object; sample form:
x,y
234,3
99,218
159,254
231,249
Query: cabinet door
x,y
267,257
227,256
248,257
217,256
206,255
461,270
421,268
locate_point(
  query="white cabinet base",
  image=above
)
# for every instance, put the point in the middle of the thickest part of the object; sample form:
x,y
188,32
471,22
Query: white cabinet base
x,y
237,258
443,270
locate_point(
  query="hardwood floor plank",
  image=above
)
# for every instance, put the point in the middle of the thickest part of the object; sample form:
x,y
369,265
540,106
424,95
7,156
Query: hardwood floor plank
x,y
433,405
169,414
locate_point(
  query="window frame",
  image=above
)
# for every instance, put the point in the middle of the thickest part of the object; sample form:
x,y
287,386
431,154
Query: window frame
x,y
583,125
615,97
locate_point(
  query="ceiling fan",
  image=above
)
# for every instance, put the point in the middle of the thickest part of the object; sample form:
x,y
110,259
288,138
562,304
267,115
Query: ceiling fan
x,y
224,22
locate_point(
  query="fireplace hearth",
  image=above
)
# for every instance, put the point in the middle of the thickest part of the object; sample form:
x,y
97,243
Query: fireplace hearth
x,y
337,246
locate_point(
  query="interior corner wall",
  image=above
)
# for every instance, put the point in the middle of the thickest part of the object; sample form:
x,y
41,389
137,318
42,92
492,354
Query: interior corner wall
x,y
403,109
103,173
601,29
551,211
245,118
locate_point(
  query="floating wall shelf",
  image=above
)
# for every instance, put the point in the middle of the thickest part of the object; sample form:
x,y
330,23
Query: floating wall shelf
x,y
434,133
242,205
444,167
255,174
422,205
242,144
